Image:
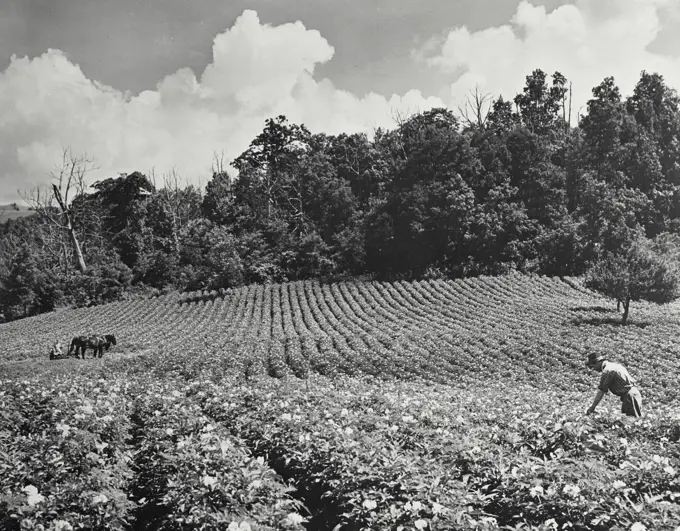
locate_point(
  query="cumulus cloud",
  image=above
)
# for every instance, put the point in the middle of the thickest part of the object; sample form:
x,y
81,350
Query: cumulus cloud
x,y
585,41
257,71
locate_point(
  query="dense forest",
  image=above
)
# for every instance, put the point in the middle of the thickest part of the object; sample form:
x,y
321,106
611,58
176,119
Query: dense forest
x,y
496,186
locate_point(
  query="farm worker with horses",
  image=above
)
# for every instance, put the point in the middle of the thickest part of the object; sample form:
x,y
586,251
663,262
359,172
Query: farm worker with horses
x,y
615,378
56,351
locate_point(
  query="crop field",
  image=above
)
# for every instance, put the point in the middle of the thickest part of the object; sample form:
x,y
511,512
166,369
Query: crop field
x,y
425,405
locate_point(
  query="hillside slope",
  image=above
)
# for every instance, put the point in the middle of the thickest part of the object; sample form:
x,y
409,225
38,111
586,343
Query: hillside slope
x,y
365,405
448,331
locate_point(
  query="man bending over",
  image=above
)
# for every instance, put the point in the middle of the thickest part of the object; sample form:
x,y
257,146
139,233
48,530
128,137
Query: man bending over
x,y
615,378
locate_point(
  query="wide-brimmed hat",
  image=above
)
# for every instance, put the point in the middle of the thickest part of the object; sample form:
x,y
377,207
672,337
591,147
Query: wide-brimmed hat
x,y
594,358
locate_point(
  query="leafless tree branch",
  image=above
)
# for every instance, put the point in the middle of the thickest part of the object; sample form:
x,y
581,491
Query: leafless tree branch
x,y
67,178
476,109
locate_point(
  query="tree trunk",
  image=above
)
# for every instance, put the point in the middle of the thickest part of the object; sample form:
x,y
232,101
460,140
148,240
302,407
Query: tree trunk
x,y
626,305
72,231
76,247
63,248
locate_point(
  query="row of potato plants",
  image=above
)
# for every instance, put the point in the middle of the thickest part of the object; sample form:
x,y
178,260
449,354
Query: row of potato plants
x,y
432,329
126,453
381,455
193,474
136,320
649,462
345,480
452,352
64,459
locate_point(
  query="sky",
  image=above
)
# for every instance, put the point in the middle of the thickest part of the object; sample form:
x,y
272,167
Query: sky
x,y
166,87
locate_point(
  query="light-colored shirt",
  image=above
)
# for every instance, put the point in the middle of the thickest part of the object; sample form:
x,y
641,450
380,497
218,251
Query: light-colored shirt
x,y
615,378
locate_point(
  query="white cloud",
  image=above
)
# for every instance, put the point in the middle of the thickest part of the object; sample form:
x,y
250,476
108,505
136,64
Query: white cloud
x,y
258,71
585,41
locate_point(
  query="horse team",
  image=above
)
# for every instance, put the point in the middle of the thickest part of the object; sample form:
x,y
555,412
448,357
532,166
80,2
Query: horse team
x,y
80,344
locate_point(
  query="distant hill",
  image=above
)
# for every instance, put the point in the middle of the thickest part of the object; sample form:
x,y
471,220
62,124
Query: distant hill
x,y
14,211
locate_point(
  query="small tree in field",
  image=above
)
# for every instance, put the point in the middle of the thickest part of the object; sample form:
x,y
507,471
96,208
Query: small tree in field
x,y
633,274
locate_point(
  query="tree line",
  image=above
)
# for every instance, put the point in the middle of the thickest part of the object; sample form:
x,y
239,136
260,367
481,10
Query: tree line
x,y
499,186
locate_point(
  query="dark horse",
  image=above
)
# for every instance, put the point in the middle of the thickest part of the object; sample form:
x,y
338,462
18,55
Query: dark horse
x,y
96,343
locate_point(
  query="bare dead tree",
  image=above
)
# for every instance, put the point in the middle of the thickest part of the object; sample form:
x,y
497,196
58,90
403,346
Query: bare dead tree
x,y
400,118
475,111
171,193
68,181
218,165
152,176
